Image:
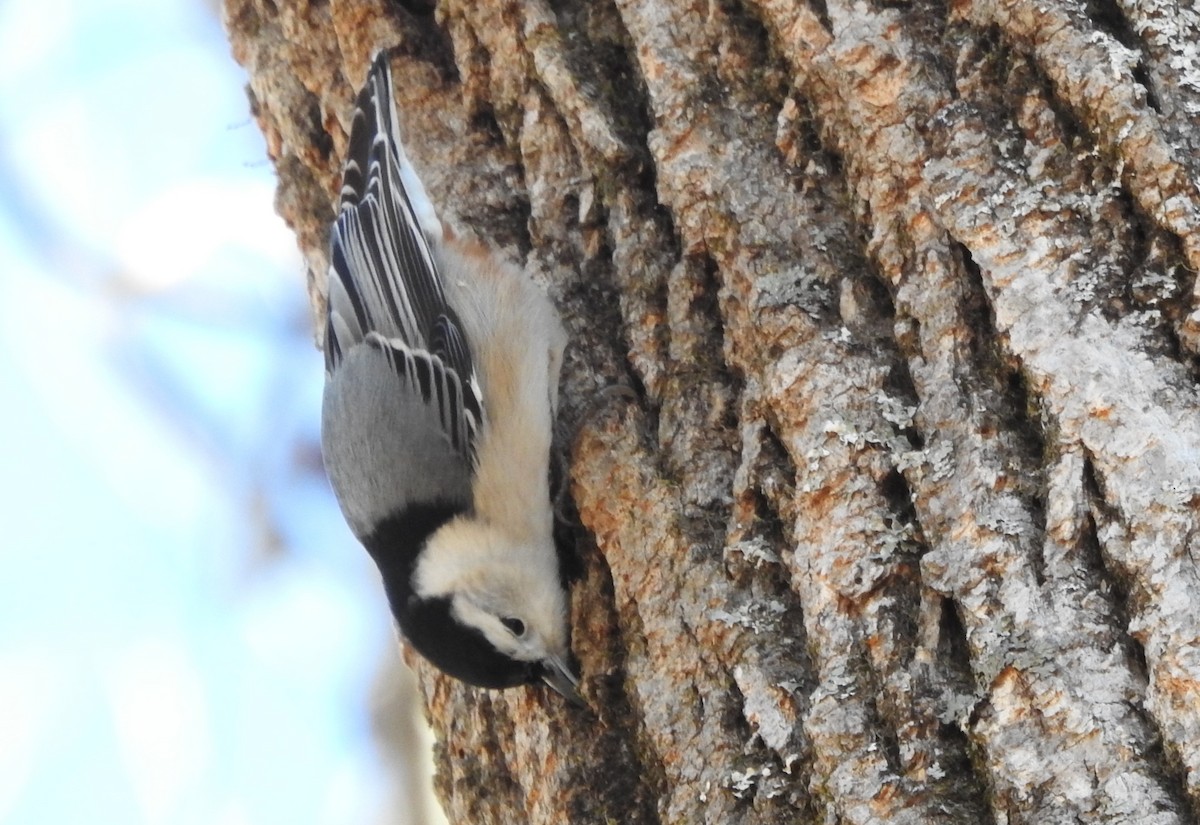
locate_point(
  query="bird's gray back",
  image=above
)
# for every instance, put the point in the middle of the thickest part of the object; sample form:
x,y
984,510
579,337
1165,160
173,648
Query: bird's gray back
x,y
385,447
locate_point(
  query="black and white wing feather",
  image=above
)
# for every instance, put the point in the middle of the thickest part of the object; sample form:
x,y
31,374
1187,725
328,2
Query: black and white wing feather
x,y
385,290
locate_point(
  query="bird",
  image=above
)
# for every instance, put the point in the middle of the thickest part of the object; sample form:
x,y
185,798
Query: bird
x,y
442,364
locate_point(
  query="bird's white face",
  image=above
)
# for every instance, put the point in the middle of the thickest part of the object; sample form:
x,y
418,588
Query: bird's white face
x,y
507,593
522,628
508,590
529,630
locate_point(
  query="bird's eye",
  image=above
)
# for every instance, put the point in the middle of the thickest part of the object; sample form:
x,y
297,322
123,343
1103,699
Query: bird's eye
x,y
515,625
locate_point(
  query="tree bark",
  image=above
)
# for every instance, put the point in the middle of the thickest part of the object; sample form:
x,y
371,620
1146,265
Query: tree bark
x,y
901,523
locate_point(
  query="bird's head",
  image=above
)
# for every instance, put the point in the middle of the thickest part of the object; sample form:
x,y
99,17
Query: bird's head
x,y
489,610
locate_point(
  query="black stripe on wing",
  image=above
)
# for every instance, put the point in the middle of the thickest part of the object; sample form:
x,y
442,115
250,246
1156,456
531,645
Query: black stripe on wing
x,y
448,342
438,386
379,252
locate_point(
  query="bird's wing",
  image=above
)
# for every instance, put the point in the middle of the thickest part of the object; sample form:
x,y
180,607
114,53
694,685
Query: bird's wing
x,y
438,387
383,276
391,435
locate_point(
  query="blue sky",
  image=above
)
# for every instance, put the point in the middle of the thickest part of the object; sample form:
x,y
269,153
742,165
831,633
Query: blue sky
x,y
188,633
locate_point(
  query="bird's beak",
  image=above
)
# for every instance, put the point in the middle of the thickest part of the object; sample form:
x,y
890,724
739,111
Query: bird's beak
x,y
558,676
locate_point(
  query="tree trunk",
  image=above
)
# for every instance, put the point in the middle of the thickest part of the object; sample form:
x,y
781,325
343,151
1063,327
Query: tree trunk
x,y
901,521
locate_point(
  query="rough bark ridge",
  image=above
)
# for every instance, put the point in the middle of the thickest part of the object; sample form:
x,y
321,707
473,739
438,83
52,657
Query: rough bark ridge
x,y
903,525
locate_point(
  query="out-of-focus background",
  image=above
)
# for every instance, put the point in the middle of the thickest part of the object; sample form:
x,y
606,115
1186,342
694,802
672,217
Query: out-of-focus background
x,y
188,633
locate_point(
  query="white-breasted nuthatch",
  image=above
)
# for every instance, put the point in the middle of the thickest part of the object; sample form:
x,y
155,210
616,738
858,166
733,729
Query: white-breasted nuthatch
x,y
441,386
